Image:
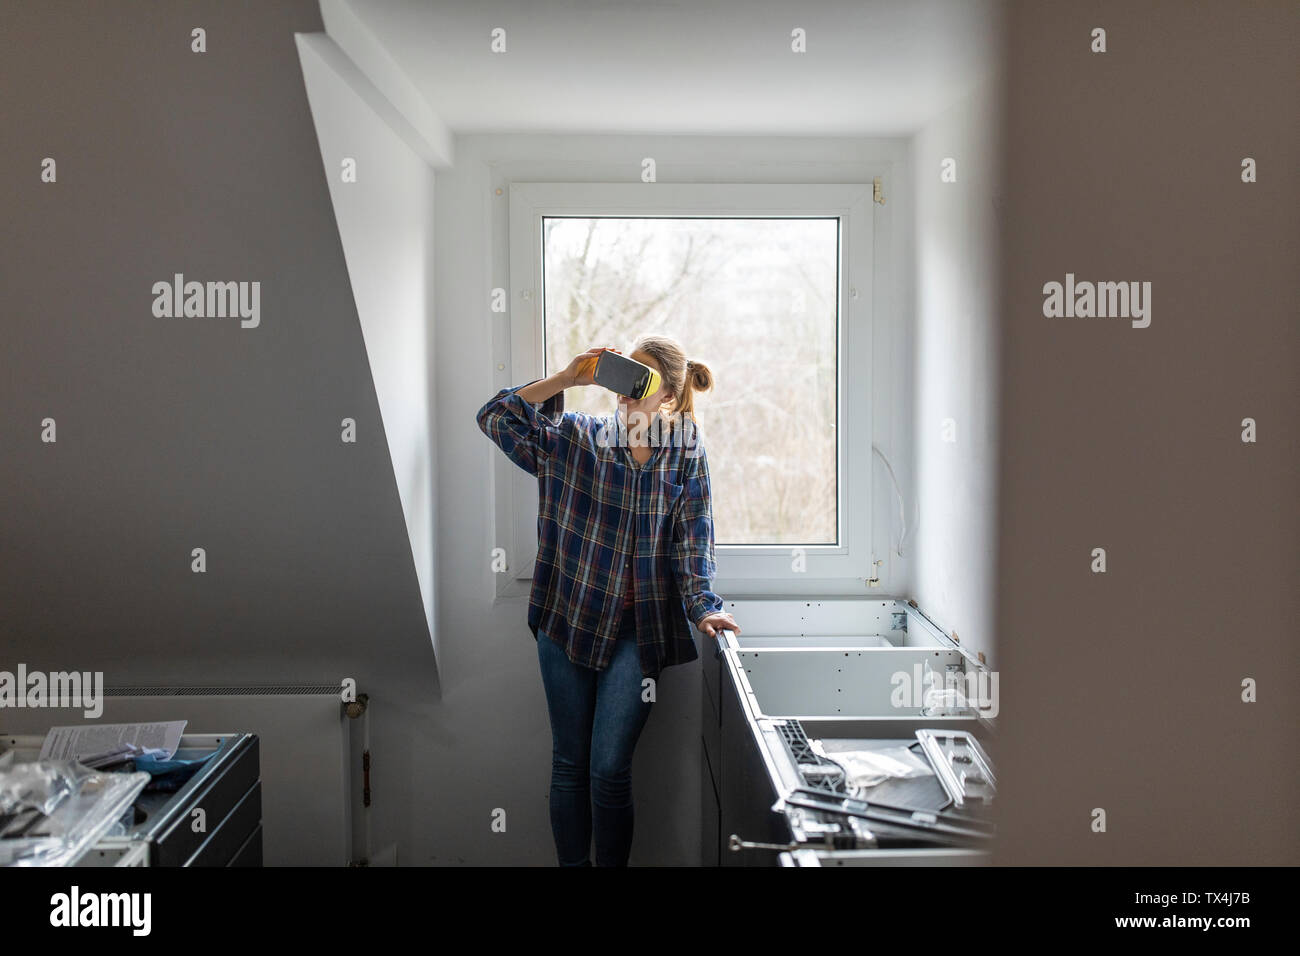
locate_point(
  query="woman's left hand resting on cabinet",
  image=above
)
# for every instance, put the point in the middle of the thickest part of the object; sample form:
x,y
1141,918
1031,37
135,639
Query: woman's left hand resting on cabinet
x,y
718,621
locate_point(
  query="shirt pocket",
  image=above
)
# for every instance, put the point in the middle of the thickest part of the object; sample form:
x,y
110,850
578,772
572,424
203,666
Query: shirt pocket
x,y
664,497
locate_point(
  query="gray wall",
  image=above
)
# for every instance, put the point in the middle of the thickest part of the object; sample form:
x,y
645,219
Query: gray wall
x,y
1122,690
191,432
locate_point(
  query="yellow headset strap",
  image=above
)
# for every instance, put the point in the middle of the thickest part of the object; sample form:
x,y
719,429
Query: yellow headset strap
x,y
654,383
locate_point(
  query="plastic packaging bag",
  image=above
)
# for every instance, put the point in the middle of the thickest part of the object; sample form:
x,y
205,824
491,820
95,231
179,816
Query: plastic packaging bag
x,y
864,769
39,785
53,811
939,700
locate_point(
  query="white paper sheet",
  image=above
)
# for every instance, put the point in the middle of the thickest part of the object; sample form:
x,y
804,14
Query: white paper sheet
x,y
90,740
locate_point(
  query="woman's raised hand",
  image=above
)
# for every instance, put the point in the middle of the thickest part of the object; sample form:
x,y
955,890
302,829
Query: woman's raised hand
x,y
582,370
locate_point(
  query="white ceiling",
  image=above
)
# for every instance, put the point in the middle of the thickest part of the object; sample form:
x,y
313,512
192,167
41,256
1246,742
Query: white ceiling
x,y
873,67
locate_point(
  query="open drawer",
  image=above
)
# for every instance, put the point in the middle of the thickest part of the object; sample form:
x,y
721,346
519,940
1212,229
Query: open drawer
x,y
213,819
866,684
784,696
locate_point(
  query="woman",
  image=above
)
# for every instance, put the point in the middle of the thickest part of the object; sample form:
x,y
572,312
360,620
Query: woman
x,y
624,567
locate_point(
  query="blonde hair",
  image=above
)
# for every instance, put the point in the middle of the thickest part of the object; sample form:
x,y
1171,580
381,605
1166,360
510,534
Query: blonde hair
x,y
682,377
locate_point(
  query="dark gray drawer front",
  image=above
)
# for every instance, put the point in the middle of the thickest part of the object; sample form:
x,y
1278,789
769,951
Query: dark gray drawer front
x,y
709,809
745,789
225,842
250,854
218,791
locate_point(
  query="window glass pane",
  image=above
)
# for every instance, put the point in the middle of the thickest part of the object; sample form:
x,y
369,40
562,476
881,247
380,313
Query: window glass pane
x,y
756,301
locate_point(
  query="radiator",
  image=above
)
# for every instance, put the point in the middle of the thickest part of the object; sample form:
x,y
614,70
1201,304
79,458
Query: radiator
x,y
308,784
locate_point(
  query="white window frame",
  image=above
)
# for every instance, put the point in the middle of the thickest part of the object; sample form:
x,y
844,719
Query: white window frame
x,y
745,569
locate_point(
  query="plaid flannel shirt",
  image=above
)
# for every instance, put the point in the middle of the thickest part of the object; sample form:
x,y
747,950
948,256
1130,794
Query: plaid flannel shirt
x,y
598,509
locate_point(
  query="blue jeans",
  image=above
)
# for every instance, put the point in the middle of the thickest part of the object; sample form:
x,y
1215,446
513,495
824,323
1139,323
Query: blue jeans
x,y
596,718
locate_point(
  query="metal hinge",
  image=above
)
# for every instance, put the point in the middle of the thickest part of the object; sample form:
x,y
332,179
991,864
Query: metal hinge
x,y
877,193
365,770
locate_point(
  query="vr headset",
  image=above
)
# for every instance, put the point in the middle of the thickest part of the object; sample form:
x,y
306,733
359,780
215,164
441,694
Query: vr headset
x,y
623,375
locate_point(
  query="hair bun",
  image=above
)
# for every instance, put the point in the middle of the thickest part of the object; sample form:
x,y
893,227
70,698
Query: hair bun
x,y
699,375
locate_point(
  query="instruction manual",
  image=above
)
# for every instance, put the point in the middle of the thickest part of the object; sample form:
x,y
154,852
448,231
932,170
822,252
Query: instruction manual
x,y
95,745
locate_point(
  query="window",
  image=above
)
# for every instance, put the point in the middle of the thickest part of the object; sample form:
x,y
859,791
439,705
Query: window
x,y
767,284
757,301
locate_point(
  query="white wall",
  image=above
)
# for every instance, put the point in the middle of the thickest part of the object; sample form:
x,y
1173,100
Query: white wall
x,y
955,371
385,222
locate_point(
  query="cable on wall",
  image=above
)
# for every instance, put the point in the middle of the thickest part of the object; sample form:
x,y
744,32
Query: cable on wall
x,y
902,513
